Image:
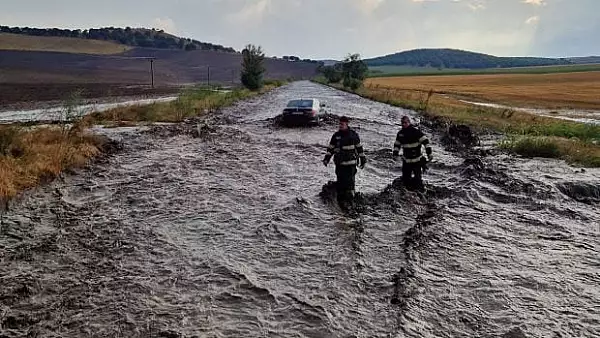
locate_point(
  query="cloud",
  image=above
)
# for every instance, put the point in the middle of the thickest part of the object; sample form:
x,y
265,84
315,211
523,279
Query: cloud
x,y
532,20
334,28
535,2
252,11
166,24
368,6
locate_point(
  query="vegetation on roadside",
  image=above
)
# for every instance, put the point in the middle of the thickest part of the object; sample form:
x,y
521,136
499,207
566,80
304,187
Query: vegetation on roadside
x,y
31,155
191,102
253,67
527,134
352,72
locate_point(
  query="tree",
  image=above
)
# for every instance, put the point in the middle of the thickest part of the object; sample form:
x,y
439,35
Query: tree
x,y
333,74
252,67
354,71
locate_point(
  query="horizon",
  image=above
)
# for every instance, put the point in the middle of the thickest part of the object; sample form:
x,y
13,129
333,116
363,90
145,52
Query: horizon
x,y
516,28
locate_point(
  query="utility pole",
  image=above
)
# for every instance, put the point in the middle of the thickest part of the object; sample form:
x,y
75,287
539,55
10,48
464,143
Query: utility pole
x,y
232,76
208,69
152,71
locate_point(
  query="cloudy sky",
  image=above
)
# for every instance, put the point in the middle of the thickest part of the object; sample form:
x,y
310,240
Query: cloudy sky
x,y
333,28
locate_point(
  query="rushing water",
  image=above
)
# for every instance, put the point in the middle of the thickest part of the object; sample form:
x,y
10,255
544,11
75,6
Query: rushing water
x,y
225,235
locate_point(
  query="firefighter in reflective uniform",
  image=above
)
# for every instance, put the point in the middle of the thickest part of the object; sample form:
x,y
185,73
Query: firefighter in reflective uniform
x,y
410,140
347,154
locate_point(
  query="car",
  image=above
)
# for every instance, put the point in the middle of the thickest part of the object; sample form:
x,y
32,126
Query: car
x,y
302,111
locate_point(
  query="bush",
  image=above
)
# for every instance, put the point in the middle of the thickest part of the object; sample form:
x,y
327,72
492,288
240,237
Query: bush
x,y
354,71
533,146
8,138
253,67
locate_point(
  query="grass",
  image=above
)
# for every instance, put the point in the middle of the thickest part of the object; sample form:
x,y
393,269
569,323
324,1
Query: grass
x,y
59,44
577,143
29,156
191,102
393,71
550,91
585,154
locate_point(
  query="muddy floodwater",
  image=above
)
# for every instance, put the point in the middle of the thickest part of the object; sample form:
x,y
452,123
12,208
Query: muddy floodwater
x,y
220,231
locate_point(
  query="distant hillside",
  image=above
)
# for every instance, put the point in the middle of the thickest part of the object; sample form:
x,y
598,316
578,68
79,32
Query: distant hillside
x,y
329,62
59,44
585,59
454,58
136,37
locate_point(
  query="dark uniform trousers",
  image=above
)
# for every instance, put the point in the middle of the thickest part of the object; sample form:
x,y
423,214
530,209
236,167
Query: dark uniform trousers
x,y
345,182
410,169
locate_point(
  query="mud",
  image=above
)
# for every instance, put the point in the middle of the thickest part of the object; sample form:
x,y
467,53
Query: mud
x,y
227,227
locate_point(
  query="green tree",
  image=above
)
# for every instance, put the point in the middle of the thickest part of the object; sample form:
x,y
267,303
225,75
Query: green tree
x,y
354,71
253,67
333,74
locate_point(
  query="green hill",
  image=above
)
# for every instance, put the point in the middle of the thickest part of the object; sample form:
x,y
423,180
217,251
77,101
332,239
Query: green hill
x,y
136,37
459,59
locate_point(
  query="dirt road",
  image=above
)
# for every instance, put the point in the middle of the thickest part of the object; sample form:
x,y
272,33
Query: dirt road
x,y
225,235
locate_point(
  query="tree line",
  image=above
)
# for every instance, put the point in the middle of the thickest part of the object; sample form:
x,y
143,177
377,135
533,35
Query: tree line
x,y
352,71
136,37
297,59
454,58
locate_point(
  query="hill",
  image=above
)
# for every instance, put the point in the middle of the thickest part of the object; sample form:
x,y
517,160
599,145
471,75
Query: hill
x,y
135,37
454,58
10,41
585,60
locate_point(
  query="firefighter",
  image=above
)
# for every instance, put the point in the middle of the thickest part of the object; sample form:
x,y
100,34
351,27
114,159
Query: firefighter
x,y
347,154
410,139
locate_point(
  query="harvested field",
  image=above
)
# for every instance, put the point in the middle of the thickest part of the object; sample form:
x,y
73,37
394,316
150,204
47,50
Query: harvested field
x,y
59,44
172,67
552,91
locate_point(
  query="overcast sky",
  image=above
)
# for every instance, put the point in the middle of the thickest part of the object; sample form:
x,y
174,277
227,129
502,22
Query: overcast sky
x,y
333,28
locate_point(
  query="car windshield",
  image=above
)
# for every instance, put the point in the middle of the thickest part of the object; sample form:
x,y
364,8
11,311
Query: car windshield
x,y
300,103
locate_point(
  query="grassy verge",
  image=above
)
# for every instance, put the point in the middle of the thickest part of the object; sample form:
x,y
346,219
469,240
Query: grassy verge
x,y
29,156
191,102
527,134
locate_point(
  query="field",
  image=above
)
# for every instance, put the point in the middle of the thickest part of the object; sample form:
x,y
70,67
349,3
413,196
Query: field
x,y
31,74
392,71
551,91
59,44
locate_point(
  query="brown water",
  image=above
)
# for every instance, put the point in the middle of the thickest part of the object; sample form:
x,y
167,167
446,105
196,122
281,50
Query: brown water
x,y
225,235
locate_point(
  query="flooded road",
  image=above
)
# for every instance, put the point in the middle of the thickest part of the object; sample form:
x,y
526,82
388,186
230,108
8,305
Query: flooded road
x,y
62,113
225,235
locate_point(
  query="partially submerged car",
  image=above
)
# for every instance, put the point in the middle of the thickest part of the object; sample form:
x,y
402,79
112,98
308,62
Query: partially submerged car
x,y
302,111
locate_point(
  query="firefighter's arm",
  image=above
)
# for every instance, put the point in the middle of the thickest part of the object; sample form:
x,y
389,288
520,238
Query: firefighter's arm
x,y
425,142
330,150
397,146
360,151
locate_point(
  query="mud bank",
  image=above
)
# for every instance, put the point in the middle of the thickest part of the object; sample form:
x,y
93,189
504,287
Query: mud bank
x,y
220,229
